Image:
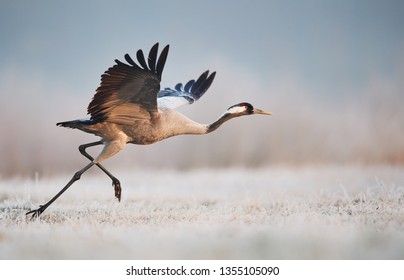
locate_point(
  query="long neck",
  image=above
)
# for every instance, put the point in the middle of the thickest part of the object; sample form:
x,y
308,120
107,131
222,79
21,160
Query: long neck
x,y
174,123
223,118
191,127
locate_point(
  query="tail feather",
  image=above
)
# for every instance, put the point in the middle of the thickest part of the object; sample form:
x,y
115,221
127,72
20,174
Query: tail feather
x,y
75,123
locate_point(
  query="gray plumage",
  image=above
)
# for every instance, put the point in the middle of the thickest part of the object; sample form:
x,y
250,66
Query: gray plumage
x,y
129,107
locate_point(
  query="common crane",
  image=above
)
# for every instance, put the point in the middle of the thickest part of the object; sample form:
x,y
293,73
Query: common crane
x,y
129,107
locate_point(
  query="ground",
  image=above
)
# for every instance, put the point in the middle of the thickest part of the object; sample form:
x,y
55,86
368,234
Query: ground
x,y
316,212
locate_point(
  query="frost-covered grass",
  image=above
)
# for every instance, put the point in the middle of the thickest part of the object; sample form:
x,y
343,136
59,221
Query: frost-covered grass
x,y
274,212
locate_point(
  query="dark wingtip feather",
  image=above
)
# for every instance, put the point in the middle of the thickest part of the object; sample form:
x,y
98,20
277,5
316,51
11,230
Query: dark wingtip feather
x,y
153,57
162,61
202,84
130,60
189,85
179,87
117,62
140,58
200,80
209,80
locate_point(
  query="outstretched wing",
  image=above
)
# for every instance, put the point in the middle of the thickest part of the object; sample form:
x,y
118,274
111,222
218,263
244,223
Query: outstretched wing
x,y
129,92
188,94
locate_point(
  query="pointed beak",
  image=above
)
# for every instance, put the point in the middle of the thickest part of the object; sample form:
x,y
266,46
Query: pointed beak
x,y
261,112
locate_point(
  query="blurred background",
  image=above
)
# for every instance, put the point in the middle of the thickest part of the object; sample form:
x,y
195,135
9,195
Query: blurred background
x,y
332,72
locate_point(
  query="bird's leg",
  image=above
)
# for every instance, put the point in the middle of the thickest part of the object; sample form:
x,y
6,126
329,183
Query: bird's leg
x,y
35,213
115,181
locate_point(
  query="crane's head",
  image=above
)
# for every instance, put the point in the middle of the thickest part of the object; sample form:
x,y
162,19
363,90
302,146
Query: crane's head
x,y
238,110
245,108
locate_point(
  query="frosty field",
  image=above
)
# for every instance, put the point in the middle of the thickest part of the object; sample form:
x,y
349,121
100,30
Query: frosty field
x,y
268,213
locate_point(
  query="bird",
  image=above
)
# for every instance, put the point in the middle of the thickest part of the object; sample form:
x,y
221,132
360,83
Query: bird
x,y
129,107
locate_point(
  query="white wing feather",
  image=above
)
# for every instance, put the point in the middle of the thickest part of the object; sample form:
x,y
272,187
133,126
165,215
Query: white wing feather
x,y
183,95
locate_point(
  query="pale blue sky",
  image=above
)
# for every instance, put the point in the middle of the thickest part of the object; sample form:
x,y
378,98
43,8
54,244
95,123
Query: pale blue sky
x,y
325,45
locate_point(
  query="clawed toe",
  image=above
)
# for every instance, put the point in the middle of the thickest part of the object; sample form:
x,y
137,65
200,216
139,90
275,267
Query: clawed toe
x,y
35,213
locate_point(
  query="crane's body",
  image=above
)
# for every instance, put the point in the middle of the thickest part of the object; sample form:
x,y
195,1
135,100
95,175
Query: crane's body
x,y
143,132
129,107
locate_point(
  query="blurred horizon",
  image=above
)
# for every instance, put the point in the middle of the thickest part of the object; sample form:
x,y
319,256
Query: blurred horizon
x,y
332,72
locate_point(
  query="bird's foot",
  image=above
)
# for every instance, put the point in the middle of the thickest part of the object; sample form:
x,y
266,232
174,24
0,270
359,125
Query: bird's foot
x,y
35,213
118,190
